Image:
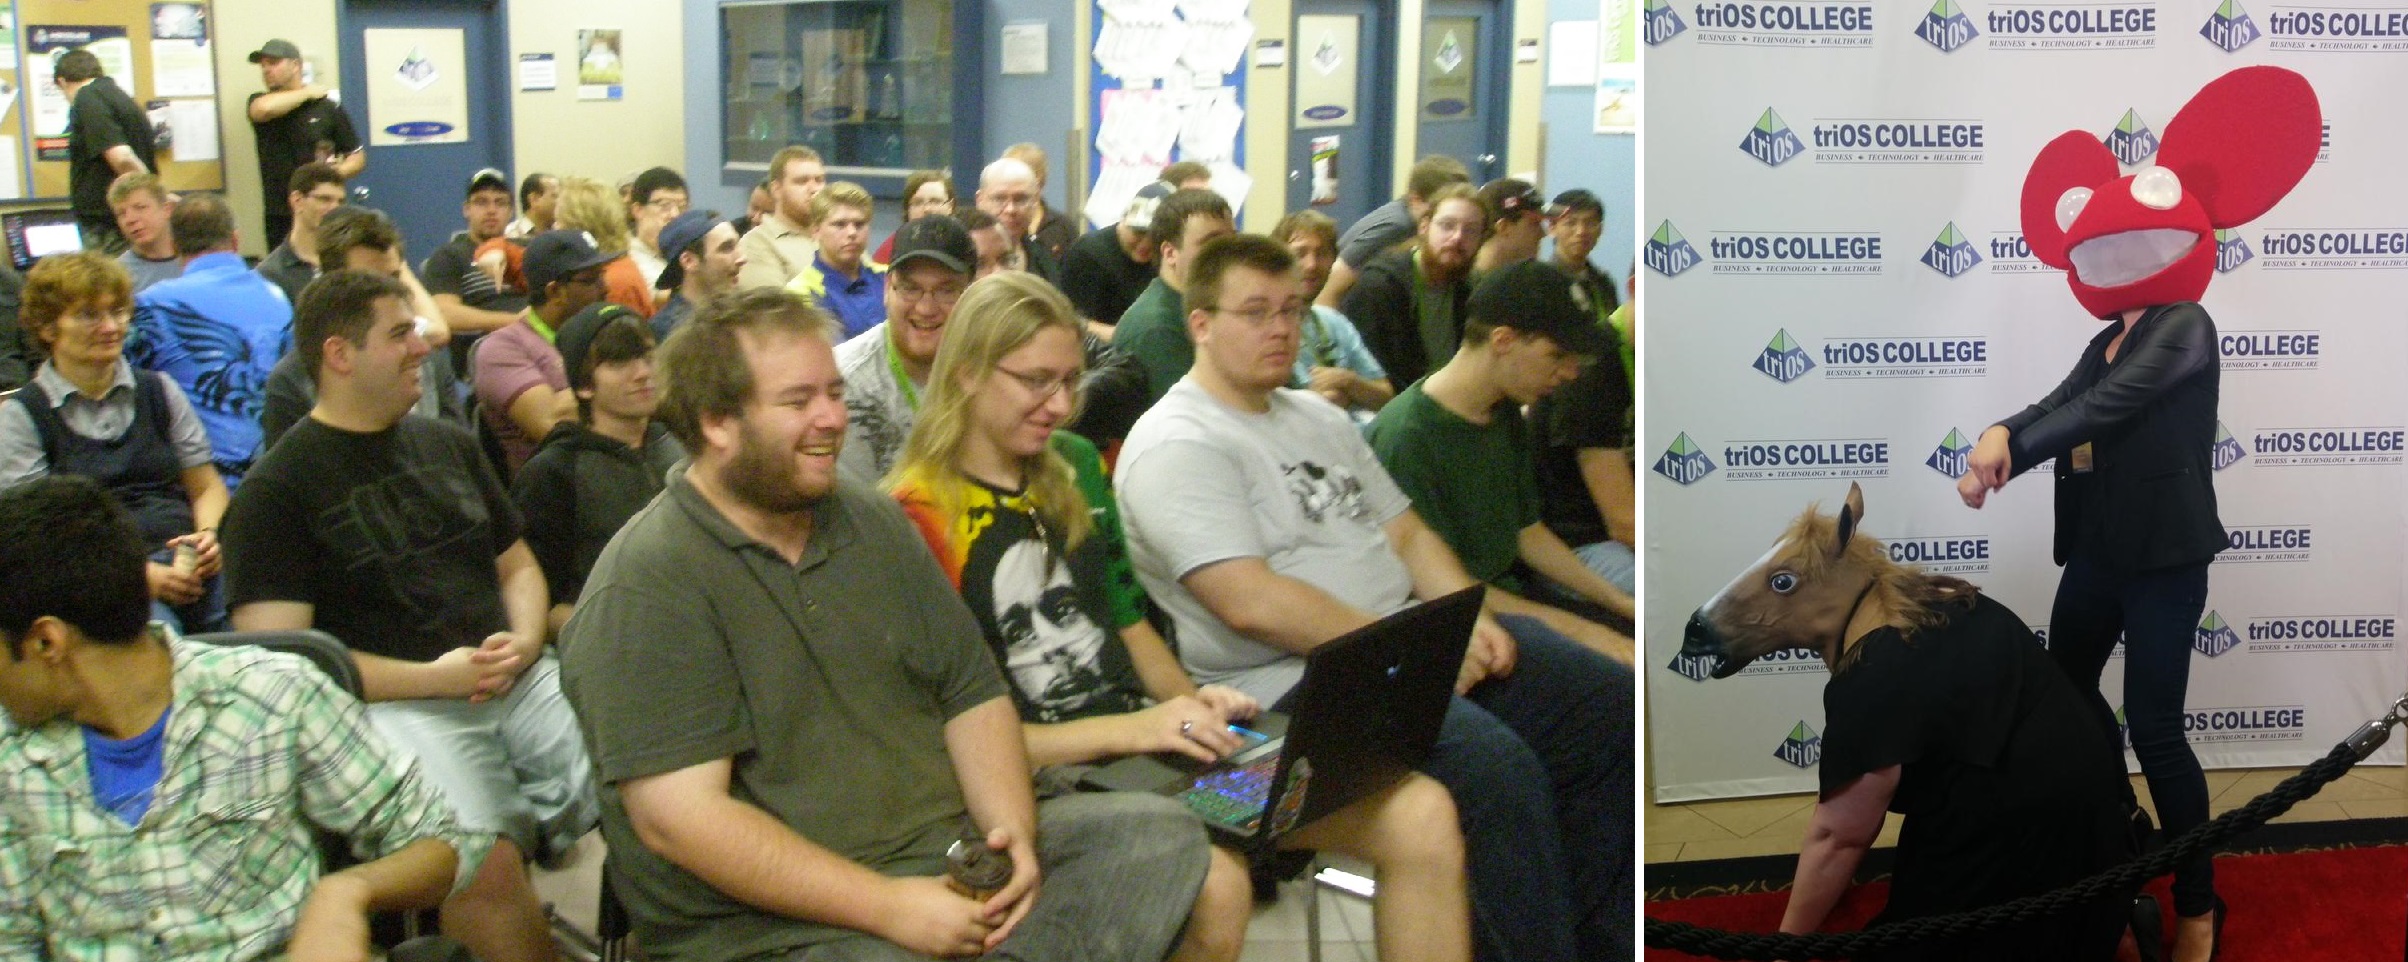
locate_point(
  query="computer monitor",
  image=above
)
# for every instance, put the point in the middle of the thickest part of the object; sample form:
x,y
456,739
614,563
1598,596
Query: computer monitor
x,y
35,234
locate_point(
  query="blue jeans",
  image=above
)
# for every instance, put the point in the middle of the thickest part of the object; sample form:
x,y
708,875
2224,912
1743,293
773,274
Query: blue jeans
x,y
1539,763
2158,614
207,613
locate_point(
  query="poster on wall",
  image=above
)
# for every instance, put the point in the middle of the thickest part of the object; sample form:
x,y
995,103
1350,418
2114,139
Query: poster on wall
x,y
1325,170
1450,58
44,44
1325,81
600,72
8,35
417,87
1617,68
180,60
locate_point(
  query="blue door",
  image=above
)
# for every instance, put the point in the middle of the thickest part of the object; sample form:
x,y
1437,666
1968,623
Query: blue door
x,y
421,186
1464,69
1335,40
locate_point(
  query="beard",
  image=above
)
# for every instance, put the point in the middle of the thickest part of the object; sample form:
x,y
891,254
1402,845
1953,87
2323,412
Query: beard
x,y
763,475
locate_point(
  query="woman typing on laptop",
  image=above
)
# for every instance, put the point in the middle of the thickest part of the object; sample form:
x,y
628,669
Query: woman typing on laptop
x,y
1021,516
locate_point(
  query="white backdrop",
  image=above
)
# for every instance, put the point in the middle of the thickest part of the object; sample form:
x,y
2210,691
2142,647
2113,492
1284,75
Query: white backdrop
x,y
1836,289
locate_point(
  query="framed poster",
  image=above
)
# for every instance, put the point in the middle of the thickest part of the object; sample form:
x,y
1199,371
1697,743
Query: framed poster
x,y
417,87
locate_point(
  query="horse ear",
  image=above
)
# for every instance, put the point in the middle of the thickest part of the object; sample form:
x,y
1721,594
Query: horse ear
x,y
1849,514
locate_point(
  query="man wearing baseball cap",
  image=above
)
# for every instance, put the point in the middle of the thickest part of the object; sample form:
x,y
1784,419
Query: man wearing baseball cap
x,y
1105,270
886,368
296,123
704,255
521,384
1517,221
1456,443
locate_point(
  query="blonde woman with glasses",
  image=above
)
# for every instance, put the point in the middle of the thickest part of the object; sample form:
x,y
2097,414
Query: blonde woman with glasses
x,y
1021,517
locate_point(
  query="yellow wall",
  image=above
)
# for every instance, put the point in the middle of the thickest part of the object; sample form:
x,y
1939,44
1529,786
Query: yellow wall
x,y
1522,147
556,133
1268,92
241,26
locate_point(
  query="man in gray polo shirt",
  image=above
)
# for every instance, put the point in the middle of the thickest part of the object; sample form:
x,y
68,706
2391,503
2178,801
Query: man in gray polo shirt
x,y
795,715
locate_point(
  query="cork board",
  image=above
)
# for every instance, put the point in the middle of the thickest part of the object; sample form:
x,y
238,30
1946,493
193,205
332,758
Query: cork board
x,y
162,53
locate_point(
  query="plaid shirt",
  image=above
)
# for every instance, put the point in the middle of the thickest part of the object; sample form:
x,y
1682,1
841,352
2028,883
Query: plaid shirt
x,y
261,752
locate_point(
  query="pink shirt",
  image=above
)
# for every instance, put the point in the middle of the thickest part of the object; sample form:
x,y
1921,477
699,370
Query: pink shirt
x,y
508,362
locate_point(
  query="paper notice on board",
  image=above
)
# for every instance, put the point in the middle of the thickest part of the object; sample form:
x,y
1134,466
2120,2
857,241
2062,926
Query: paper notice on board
x,y
10,187
1115,185
194,124
8,44
1572,53
1232,183
182,68
1208,127
1139,126
1135,37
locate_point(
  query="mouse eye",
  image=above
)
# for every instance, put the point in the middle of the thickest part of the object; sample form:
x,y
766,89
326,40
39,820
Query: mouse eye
x,y
1783,582
2069,206
2157,188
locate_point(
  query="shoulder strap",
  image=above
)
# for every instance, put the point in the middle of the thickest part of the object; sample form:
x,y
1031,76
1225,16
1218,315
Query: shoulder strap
x,y
150,398
46,423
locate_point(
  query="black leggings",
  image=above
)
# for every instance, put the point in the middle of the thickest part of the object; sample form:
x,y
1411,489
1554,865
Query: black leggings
x,y
2157,613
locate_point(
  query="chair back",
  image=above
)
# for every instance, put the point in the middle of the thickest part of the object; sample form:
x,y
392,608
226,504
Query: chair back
x,y
320,648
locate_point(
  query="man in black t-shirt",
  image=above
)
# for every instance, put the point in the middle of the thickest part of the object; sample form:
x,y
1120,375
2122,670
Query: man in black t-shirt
x,y
107,135
390,533
296,123
471,302
1106,269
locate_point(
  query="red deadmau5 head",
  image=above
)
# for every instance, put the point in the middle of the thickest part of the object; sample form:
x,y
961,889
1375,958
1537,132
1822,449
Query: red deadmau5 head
x,y
2149,238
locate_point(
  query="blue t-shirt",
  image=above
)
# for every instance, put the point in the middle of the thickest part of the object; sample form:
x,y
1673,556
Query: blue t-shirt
x,y
1330,340
125,772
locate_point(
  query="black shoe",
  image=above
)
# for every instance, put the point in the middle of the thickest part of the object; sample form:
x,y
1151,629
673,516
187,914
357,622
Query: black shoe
x,y
2148,929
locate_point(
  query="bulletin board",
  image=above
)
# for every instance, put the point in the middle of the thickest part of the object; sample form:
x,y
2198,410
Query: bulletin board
x,y
1169,84
162,53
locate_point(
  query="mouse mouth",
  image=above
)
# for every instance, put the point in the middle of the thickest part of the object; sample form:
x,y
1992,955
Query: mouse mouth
x,y
2114,260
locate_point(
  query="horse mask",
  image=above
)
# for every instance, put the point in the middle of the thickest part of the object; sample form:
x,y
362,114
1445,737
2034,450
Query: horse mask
x,y
2149,238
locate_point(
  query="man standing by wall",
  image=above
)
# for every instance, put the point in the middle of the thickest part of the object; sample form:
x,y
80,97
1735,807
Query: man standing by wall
x,y
107,137
296,123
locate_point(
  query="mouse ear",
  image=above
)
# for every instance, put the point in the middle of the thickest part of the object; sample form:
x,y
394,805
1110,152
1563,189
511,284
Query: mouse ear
x,y
2074,159
2243,142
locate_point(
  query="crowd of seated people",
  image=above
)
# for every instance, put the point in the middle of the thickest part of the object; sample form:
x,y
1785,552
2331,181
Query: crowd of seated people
x,y
799,566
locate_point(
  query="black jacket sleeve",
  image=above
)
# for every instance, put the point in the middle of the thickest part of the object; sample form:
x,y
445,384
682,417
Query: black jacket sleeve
x,y
1381,307
2162,351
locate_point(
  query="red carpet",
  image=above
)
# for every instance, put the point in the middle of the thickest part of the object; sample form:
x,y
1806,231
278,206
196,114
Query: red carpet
x,y
2341,905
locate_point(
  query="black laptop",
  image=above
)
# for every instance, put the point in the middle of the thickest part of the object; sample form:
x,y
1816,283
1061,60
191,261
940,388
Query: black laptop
x,y
1366,714
35,234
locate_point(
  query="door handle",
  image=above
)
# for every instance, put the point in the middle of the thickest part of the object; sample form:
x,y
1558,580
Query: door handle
x,y
1488,158
1295,175
359,193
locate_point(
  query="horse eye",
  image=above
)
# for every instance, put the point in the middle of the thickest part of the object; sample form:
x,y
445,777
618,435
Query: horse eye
x,y
1783,582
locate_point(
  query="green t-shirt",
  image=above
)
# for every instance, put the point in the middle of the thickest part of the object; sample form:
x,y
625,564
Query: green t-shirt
x,y
826,682
1434,316
1476,485
1154,331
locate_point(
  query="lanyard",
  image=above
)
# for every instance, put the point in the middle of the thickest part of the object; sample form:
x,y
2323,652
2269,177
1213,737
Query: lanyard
x,y
535,321
894,365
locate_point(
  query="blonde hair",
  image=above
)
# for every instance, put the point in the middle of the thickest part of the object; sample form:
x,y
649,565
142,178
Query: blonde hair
x,y
586,204
996,316
63,282
843,193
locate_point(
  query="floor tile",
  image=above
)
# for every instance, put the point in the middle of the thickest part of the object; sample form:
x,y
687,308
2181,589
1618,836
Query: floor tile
x,y
1662,851
1736,848
1743,817
1681,823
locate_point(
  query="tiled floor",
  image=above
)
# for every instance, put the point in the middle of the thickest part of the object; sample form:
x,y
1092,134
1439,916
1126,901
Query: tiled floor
x,y
1699,831
1277,933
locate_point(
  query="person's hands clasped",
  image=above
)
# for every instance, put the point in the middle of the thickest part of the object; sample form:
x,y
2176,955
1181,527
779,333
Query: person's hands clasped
x,y
1490,655
1335,383
499,661
173,585
1987,468
209,559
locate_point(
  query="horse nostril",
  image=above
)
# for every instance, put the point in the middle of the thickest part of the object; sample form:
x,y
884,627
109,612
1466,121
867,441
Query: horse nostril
x,y
1700,638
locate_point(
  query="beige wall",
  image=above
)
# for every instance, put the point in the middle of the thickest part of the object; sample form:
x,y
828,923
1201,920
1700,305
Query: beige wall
x,y
551,131
1522,146
242,25
606,140
1268,92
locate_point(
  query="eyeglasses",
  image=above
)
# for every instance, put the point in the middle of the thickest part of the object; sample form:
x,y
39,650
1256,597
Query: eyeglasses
x,y
1290,313
945,295
1046,387
668,205
1007,200
93,318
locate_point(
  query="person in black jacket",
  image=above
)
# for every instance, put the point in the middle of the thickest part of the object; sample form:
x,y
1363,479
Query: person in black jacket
x,y
1409,303
591,474
107,135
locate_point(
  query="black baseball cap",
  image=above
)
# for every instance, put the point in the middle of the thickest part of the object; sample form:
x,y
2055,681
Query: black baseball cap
x,y
488,179
577,336
1537,298
941,239
677,235
276,50
553,255
1511,197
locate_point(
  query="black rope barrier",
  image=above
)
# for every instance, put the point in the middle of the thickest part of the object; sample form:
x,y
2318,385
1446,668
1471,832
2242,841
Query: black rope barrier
x,y
1722,944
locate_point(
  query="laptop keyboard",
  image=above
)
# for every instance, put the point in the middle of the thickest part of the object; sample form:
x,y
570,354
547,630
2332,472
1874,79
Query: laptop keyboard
x,y
1234,797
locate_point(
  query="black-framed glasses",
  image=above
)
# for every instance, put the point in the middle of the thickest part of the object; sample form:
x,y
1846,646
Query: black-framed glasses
x,y
945,294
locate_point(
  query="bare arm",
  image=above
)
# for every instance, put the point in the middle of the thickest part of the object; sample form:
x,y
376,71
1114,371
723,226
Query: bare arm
x,y
1607,473
206,489
1253,600
474,320
122,161
333,923
1157,668
381,678
276,103
991,762
1342,277
525,597
422,304
1599,638
536,409
1547,554
350,165
1844,825
1435,569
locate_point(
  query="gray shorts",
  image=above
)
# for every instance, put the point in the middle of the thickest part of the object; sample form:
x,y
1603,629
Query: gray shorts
x,y
514,766
1121,872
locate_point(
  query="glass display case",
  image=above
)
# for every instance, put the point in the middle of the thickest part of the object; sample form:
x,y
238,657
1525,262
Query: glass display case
x,y
870,84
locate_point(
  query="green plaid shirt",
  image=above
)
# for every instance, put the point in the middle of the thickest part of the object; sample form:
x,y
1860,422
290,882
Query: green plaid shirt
x,y
262,751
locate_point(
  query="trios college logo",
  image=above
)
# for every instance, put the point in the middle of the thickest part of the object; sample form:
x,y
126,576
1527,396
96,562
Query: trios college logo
x,y
1683,462
1803,748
